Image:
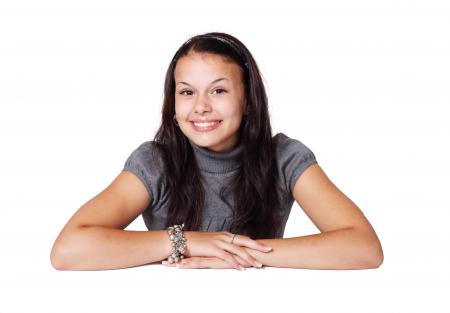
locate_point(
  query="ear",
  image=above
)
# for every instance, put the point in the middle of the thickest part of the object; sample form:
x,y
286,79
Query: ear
x,y
246,110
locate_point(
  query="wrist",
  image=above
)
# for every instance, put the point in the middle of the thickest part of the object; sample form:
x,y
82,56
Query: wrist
x,y
177,243
188,236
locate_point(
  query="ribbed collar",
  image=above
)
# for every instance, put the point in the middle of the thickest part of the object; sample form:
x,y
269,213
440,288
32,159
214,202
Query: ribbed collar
x,y
217,162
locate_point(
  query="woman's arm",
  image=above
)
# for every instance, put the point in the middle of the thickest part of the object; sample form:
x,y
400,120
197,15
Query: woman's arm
x,y
337,249
347,239
94,238
102,248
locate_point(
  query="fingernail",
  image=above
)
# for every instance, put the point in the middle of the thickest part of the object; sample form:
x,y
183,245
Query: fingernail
x,y
258,264
164,263
268,248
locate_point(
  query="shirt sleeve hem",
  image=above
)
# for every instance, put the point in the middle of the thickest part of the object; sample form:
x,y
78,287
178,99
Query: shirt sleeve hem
x,y
139,175
299,171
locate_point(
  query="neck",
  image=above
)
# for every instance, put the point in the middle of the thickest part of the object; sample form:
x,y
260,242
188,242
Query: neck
x,y
217,162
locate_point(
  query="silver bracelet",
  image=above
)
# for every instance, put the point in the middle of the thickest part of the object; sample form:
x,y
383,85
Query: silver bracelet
x,y
178,240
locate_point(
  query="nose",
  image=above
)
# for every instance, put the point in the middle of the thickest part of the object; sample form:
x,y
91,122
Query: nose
x,y
202,105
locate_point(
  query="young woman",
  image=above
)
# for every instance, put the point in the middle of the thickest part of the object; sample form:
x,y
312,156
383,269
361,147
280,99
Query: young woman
x,y
214,187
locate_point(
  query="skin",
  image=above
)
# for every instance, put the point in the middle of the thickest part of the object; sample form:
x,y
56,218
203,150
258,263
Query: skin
x,y
199,96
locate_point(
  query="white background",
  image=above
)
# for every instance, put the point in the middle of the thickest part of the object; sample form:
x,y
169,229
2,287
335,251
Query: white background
x,y
364,84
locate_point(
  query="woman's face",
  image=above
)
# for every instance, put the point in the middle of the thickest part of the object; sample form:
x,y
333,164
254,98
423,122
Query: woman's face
x,y
209,88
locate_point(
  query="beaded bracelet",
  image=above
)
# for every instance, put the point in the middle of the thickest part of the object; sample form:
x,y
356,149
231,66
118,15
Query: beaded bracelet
x,y
178,243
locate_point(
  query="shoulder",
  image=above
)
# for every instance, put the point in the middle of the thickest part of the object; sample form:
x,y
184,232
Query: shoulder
x,y
293,157
145,157
146,150
285,146
146,146
146,162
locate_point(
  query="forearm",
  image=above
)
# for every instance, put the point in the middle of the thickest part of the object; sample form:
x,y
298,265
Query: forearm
x,y
99,248
339,249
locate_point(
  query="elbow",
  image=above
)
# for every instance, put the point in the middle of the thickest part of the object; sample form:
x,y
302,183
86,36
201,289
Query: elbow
x,y
369,253
67,251
375,261
63,255
58,258
368,261
375,257
379,258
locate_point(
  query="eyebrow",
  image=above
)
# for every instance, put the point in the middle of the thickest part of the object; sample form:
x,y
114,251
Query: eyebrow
x,y
214,81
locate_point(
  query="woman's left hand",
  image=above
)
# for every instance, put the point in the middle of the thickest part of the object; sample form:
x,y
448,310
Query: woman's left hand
x,y
203,262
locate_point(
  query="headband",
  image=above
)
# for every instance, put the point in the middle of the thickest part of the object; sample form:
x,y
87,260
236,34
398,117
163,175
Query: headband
x,y
231,44
228,42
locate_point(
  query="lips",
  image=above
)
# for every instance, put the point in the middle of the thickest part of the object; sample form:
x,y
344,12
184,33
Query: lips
x,y
205,121
206,126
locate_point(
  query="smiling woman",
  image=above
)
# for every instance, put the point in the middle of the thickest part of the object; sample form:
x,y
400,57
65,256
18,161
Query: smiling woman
x,y
215,187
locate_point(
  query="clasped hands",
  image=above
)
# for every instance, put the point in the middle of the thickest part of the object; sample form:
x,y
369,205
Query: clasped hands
x,y
214,250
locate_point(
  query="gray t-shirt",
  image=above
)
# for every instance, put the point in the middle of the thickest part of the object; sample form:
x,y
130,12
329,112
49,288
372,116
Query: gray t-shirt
x,y
292,156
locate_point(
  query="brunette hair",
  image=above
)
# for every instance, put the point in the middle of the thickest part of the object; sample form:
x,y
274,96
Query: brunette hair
x,y
254,186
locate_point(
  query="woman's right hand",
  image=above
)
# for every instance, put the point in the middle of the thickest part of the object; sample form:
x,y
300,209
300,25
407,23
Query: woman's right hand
x,y
219,244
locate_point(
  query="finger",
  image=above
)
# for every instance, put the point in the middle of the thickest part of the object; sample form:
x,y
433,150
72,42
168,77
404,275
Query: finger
x,y
203,262
230,259
242,261
248,242
189,261
168,264
219,263
193,262
240,252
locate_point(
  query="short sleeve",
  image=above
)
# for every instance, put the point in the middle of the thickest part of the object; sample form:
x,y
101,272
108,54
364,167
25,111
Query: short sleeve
x,y
145,162
293,158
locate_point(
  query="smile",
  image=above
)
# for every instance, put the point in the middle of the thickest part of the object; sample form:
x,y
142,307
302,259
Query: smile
x,y
205,127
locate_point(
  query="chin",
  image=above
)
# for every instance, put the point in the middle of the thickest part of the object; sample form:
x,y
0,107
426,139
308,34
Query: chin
x,y
215,139
205,142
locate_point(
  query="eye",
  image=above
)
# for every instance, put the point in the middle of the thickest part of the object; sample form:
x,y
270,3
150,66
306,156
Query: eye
x,y
220,89
183,92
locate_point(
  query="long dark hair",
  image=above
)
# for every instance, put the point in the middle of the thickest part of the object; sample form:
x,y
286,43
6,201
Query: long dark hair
x,y
254,186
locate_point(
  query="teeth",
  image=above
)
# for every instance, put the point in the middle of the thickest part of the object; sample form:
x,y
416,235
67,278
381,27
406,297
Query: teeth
x,y
205,124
